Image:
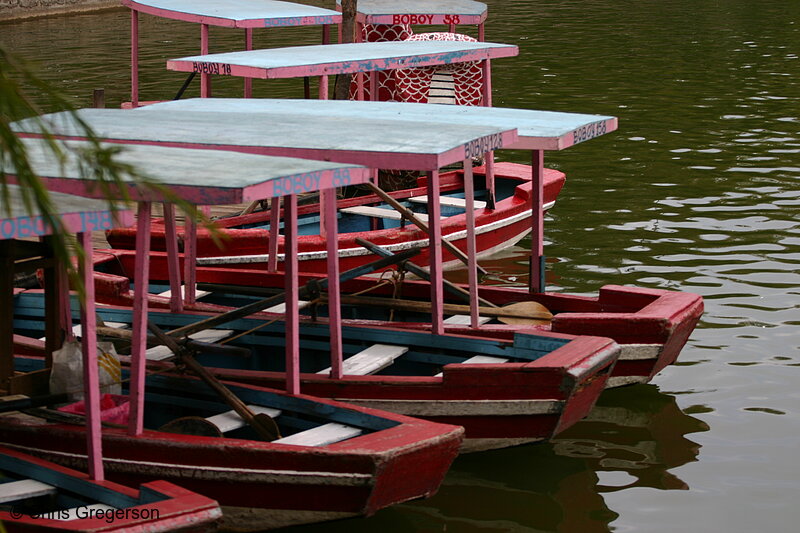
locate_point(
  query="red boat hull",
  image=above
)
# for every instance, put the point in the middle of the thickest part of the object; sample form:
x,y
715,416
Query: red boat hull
x,y
495,229
354,477
499,405
651,325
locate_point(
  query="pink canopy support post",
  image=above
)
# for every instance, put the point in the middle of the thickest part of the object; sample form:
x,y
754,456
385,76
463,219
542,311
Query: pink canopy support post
x,y
487,102
537,222
435,247
274,233
134,58
139,327
292,319
248,45
472,268
330,230
205,78
91,378
328,198
189,259
173,260
64,306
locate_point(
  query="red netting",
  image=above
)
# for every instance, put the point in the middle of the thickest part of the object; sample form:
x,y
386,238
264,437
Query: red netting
x,y
377,33
413,85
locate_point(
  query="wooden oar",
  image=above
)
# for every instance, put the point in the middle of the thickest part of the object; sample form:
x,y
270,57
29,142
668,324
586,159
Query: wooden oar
x,y
403,210
422,272
263,424
309,288
527,315
522,313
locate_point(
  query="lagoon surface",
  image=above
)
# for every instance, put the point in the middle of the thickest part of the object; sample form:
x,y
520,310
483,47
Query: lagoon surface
x,y
698,190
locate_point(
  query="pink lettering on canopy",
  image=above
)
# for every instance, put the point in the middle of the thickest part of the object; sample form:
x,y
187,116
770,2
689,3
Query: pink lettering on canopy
x,y
412,19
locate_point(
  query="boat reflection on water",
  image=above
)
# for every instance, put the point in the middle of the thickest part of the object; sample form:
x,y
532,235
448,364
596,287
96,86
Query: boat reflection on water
x,y
634,437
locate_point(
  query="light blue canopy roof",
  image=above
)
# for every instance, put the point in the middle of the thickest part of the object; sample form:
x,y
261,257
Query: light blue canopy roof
x,y
237,13
77,215
201,177
351,139
385,11
537,130
331,59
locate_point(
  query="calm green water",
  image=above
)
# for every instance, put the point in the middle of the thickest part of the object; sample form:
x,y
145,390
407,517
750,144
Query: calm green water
x,y
697,191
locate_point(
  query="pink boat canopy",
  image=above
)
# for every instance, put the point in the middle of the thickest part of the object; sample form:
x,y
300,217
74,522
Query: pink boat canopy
x,y
419,12
237,13
348,58
77,215
357,138
198,176
537,130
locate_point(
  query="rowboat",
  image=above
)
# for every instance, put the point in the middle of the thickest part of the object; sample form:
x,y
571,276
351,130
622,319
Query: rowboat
x,y
309,459
246,237
39,495
651,325
329,461
503,392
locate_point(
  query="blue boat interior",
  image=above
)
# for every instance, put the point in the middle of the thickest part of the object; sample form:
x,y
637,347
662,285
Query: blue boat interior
x,y
425,356
309,224
65,491
168,398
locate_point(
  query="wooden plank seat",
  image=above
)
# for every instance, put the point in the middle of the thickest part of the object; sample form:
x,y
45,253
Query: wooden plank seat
x,y
230,420
448,201
321,435
370,360
197,294
379,212
480,360
317,436
465,320
24,489
159,353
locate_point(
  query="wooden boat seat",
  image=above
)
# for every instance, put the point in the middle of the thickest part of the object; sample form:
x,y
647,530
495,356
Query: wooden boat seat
x,y
481,360
448,201
379,212
465,320
321,435
370,360
281,308
230,420
159,353
197,294
24,489
77,329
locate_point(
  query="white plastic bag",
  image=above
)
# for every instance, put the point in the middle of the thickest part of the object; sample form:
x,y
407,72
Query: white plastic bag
x,y
67,373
